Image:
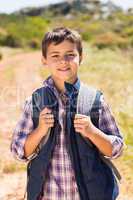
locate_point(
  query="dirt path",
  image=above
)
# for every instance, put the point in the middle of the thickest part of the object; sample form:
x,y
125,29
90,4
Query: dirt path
x,y
24,71
12,186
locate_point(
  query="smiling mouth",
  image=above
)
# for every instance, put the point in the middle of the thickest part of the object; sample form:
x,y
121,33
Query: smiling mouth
x,y
64,70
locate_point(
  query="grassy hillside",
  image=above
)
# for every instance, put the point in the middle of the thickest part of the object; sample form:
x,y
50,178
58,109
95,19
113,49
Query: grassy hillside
x,y
103,29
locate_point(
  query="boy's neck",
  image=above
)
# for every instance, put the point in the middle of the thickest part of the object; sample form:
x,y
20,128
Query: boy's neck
x,y
60,84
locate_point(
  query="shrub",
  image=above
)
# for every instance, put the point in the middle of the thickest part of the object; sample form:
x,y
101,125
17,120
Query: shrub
x,y
3,34
86,36
128,31
131,41
95,28
11,167
110,40
35,43
21,34
1,56
12,41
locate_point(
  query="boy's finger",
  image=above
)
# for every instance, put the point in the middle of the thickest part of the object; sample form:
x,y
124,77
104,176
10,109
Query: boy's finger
x,y
49,120
83,119
79,116
79,120
47,115
78,126
46,110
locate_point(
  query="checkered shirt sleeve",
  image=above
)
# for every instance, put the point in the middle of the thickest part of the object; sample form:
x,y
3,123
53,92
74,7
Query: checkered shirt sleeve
x,y
23,128
108,125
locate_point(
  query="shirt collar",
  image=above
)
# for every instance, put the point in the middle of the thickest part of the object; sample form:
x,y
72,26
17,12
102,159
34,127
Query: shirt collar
x,y
69,87
77,84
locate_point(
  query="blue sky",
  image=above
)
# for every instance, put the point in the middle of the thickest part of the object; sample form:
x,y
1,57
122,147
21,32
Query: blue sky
x,y
9,6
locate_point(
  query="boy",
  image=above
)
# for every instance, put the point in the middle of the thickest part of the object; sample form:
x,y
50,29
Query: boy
x,y
62,166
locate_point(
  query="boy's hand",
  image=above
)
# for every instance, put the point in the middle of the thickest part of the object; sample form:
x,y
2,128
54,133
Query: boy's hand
x,y
46,120
83,125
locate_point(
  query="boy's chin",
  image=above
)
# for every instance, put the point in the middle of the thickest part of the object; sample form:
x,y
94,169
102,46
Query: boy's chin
x,y
66,79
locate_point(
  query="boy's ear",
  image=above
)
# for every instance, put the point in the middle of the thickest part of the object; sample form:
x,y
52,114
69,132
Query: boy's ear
x,y
80,59
43,60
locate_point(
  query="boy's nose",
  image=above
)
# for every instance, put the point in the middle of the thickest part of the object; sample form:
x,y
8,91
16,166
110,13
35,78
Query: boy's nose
x,y
64,59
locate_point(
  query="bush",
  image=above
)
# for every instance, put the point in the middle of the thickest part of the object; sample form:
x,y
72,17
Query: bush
x,y
131,42
35,43
12,41
27,33
3,34
86,36
128,31
95,28
110,40
1,56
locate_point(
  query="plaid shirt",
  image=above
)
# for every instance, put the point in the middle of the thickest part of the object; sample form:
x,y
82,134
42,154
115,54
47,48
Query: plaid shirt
x,y
60,181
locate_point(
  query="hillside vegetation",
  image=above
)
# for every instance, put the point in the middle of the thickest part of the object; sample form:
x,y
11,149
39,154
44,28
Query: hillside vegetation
x,y
102,25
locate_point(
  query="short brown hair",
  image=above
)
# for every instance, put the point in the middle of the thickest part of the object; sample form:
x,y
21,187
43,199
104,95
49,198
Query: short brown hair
x,y
58,35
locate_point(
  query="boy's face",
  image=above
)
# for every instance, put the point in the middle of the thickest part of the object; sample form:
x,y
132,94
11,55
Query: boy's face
x,y
63,61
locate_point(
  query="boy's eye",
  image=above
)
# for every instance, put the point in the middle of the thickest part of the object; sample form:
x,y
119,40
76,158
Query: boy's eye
x,y
71,55
55,56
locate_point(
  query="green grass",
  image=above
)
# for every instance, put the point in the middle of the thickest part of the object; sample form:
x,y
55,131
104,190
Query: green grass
x,y
13,167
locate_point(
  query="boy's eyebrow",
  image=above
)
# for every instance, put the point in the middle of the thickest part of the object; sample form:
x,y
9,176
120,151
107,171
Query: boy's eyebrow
x,y
70,51
54,52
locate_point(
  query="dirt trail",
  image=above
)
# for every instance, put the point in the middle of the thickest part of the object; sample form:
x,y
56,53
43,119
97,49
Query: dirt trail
x,y
24,78
12,186
24,68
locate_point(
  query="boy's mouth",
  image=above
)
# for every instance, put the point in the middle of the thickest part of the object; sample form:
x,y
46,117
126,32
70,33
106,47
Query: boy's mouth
x,y
64,69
